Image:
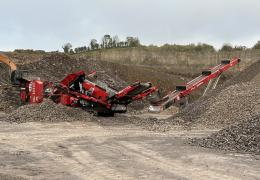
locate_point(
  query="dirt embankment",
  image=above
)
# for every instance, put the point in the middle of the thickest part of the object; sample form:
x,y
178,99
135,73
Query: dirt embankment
x,y
180,60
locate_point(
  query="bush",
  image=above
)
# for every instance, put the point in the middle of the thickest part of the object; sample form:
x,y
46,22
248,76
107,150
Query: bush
x,y
257,45
200,47
226,47
29,51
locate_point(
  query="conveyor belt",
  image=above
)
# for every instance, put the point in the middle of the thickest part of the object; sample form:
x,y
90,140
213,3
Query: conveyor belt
x,y
184,90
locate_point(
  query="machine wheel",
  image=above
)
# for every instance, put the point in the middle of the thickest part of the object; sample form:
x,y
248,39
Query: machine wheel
x,y
105,114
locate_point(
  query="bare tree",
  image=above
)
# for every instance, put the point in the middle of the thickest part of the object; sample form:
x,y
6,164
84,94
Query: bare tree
x,y
107,41
115,41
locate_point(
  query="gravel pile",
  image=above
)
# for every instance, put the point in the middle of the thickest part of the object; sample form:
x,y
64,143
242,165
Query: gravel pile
x,y
54,67
241,137
233,99
9,98
236,109
244,76
47,112
4,74
236,102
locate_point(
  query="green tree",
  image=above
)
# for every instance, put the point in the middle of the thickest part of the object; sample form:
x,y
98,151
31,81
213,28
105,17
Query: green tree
x,y
204,47
226,47
257,45
94,44
71,51
66,47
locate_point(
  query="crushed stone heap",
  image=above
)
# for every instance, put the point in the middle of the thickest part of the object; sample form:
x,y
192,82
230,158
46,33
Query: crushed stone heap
x,y
47,111
241,137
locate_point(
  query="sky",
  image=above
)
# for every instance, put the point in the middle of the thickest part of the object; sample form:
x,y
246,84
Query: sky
x,y
48,24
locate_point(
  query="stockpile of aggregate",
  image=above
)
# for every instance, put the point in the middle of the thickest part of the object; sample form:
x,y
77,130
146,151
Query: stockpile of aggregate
x,y
55,67
236,102
234,98
4,74
47,111
238,116
9,98
240,137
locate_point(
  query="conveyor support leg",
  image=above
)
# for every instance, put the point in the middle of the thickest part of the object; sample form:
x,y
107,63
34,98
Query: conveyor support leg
x,y
207,88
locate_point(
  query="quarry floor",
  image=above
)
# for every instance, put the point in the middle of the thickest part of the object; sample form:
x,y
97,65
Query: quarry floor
x,y
81,150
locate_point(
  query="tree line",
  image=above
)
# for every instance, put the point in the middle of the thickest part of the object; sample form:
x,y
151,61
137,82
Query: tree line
x,y
106,42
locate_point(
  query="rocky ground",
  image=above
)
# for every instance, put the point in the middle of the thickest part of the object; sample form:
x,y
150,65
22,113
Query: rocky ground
x,y
231,112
